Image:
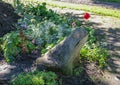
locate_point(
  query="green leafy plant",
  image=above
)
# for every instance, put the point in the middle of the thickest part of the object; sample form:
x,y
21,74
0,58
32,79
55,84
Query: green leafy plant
x,y
78,71
11,45
47,34
42,12
93,52
35,78
45,28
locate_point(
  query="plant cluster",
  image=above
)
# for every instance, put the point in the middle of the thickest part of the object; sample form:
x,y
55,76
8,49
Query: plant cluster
x,y
13,44
35,78
35,29
92,51
40,13
44,28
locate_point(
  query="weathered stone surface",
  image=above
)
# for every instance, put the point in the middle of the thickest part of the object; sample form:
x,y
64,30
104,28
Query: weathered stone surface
x,y
63,55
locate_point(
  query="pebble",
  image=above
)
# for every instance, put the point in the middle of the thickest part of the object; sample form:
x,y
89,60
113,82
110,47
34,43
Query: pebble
x,y
116,78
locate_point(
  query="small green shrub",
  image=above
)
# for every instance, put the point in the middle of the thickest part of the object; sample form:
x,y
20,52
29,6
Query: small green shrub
x,y
93,52
11,45
47,33
36,78
78,71
40,13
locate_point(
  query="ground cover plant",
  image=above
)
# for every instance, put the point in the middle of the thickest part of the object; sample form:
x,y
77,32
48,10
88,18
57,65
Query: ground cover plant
x,y
42,28
94,52
35,78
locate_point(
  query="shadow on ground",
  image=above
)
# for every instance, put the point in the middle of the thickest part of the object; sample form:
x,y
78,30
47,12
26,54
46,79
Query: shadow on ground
x,y
112,36
9,71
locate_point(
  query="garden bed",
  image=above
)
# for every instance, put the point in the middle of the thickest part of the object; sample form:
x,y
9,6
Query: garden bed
x,y
26,62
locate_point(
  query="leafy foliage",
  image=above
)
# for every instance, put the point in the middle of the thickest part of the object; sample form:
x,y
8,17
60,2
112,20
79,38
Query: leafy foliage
x,y
78,71
40,13
93,52
36,78
45,32
11,45
47,27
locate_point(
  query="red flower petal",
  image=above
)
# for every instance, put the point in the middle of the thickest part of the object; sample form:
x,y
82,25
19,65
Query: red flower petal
x,y
86,16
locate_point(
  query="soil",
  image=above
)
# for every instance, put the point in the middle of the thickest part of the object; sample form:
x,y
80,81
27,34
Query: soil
x,y
7,18
105,27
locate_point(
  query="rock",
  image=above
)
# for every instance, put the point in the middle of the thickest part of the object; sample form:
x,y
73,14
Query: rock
x,y
117,78
64,55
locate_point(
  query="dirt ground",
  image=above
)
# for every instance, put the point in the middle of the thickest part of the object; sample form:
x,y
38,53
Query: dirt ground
x,y
7,18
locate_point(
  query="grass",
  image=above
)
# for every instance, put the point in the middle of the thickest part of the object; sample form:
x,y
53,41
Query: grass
x,y
97,10
111,0
94,9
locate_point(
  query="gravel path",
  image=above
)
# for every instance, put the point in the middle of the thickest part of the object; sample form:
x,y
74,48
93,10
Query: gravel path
x,y
109,28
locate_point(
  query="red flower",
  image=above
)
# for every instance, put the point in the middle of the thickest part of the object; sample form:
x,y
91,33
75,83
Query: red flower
x,y
86,16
